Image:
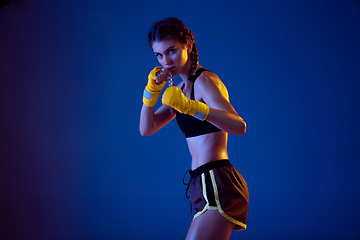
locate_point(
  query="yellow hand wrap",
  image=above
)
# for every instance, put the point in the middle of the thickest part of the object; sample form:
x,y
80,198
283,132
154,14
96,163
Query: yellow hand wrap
x,y
175,98
152,89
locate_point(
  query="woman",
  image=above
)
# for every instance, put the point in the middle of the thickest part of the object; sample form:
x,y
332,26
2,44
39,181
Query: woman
x,y
200,103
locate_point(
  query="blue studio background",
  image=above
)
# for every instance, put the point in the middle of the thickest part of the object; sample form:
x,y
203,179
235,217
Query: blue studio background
x,y
74,166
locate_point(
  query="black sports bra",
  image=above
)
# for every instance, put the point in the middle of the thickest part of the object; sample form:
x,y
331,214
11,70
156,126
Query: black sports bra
x,y
189,125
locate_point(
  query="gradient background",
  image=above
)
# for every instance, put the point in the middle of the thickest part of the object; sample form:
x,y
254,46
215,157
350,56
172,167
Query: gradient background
x,y
74,166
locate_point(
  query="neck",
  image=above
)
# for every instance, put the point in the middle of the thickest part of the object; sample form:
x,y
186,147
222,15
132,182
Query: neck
x,y
185,73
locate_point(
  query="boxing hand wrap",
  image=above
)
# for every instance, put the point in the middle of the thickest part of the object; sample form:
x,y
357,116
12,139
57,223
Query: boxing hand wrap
x,y
175,98
149,98
152,89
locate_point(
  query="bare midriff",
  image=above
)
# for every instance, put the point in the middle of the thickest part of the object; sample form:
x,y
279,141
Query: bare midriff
x,y
207,148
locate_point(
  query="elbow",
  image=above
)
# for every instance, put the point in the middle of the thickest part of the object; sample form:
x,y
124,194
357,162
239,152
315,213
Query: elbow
x,y
145,133
144,130
242,129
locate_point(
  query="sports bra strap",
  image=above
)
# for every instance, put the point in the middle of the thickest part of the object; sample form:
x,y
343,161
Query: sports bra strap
x,y
192,78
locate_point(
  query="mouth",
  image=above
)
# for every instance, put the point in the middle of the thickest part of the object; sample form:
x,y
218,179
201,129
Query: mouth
x,y
171,69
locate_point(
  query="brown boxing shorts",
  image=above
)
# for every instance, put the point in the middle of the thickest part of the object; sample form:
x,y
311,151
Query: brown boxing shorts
x,y
219,186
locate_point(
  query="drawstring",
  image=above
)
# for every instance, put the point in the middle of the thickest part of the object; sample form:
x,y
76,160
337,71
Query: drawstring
x,y
188,184
187,188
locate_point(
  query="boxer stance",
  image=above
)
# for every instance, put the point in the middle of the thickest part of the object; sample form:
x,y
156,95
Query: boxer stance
x,y
200,103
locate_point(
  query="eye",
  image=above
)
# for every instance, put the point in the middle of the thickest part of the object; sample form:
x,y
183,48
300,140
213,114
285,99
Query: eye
x,y
158,55
172,50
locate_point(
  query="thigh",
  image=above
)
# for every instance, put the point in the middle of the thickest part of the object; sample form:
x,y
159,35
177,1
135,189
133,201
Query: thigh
x,y
210,225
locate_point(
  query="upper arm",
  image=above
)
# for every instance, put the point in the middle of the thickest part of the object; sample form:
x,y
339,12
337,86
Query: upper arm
x,y
213,92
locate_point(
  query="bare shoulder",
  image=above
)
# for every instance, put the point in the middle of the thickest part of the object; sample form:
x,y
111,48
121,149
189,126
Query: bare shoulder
x,y
211,83
180,84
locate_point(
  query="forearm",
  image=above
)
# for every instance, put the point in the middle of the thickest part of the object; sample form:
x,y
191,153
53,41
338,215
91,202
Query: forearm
x,y
146,120
156,81
227,121
151,122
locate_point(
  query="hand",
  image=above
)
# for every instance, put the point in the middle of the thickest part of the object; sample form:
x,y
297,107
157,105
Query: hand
x,y
156,82
162,76
175,98
157,79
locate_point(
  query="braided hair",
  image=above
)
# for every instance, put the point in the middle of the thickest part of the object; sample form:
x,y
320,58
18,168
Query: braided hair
x,y
175,29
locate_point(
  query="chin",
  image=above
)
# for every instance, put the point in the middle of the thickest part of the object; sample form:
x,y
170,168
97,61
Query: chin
x,y
174,72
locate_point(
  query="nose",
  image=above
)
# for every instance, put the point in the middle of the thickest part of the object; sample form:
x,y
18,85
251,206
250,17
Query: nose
x,y
167,60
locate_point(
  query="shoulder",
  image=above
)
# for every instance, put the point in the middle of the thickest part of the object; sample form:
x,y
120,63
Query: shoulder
x,y
180,84
207,79
209,83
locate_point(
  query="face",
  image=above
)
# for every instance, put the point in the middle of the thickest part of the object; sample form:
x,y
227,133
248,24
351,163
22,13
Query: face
x,y
171,55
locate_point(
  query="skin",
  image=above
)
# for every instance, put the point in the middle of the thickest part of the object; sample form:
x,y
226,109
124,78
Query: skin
x,y
174,57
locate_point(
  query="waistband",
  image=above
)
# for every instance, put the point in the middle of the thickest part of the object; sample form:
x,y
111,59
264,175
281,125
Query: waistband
x,y
208,166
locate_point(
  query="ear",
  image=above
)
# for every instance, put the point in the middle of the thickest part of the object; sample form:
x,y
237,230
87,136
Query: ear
x,y
189,45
